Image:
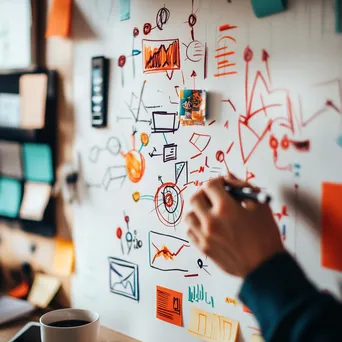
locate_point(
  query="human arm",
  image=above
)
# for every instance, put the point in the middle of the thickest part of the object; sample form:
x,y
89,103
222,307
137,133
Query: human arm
x,y
245,241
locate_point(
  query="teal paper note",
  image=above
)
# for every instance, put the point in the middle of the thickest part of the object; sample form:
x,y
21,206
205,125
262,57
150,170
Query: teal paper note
x,y
10,197
38,165
264,8
125,9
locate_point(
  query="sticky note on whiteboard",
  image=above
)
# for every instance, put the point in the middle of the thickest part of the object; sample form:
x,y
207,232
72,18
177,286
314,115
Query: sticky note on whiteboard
x,y
331,230
125,9
169,306
208,326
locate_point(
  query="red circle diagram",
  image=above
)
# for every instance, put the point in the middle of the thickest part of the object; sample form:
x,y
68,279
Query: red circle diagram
x,y
169,204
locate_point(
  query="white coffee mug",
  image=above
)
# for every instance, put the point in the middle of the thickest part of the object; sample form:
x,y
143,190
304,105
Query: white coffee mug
x,y
84,333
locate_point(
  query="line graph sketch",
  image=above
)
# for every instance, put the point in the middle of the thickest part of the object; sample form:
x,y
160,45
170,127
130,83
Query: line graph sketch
x,y
161,55
166,252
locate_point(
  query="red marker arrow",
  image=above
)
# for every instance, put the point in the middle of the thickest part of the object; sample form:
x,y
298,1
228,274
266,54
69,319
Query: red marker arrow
x,y
194,75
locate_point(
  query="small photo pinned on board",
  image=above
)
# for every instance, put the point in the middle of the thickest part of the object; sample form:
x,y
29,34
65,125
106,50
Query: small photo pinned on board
x,y
193,107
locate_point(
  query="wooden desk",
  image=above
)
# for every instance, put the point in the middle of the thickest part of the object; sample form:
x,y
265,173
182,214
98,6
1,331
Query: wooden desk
x,y
9,330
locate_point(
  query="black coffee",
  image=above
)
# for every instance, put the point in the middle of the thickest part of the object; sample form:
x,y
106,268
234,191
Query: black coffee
x,y
69,323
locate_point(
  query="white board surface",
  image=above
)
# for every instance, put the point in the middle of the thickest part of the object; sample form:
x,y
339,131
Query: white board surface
x,y
296,69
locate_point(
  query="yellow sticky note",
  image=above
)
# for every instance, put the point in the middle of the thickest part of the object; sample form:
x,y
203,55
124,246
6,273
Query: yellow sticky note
x,y
43,290
257,338
64,257
210,327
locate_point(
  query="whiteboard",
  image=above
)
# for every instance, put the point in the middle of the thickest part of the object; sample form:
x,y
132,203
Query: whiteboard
x,y
285,69
16,44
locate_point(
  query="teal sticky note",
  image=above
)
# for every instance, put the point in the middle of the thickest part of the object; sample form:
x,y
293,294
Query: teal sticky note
x,y
10,197
338,16
264,8
38,164
125,9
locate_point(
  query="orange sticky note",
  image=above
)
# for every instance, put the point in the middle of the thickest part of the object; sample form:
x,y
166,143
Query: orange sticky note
x,y
59,22
64,257
331,238
169,306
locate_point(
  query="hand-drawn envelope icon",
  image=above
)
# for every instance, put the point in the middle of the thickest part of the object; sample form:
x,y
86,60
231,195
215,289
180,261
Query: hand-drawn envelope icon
x,y
124,278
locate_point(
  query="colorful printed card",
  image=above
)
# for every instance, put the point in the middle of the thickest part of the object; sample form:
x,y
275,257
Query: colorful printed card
x,y
193,107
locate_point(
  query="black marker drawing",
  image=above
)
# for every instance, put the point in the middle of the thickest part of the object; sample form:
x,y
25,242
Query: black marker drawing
x,y
170,152
181,173
164,122
113,146
124,278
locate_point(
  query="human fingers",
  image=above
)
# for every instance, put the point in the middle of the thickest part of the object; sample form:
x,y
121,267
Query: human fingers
x,y
200,204
194,237
235,182
192,221
193,224
217,194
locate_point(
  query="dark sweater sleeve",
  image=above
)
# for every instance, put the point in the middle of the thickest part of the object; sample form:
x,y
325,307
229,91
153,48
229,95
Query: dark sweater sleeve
x,y
287,305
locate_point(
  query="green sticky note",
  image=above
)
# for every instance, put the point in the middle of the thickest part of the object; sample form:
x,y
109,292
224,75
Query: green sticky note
x,y
263,8
38,165
10,197
125,9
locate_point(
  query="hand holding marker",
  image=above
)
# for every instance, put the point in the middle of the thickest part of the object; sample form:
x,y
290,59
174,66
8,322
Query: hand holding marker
x,y
243,194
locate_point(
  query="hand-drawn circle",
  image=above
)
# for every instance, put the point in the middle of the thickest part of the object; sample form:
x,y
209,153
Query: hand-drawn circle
x,y
147,29
195,51
113,146
118,233
162,17
144,138
285,143
192,20
200,263
136,32
220,156
273,142
135,165
169,204
140,244
122,61
129,237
